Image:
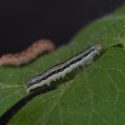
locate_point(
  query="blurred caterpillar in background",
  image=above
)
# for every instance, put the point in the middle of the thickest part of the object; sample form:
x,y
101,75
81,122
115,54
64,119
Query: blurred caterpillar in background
x,y
37,48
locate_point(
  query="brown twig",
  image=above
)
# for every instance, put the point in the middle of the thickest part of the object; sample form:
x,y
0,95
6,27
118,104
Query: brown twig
x,y
29,54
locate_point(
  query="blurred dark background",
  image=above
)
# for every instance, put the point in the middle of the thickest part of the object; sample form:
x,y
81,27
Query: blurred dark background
x,y
22,22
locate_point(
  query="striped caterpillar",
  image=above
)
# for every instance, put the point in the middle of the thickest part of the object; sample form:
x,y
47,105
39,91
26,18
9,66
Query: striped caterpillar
x,y
60,70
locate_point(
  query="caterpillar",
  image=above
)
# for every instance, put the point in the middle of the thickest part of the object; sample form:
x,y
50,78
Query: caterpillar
x,y
60,70
29,54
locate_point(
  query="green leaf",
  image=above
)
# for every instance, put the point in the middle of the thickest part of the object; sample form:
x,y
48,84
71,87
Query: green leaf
x,y
95,96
